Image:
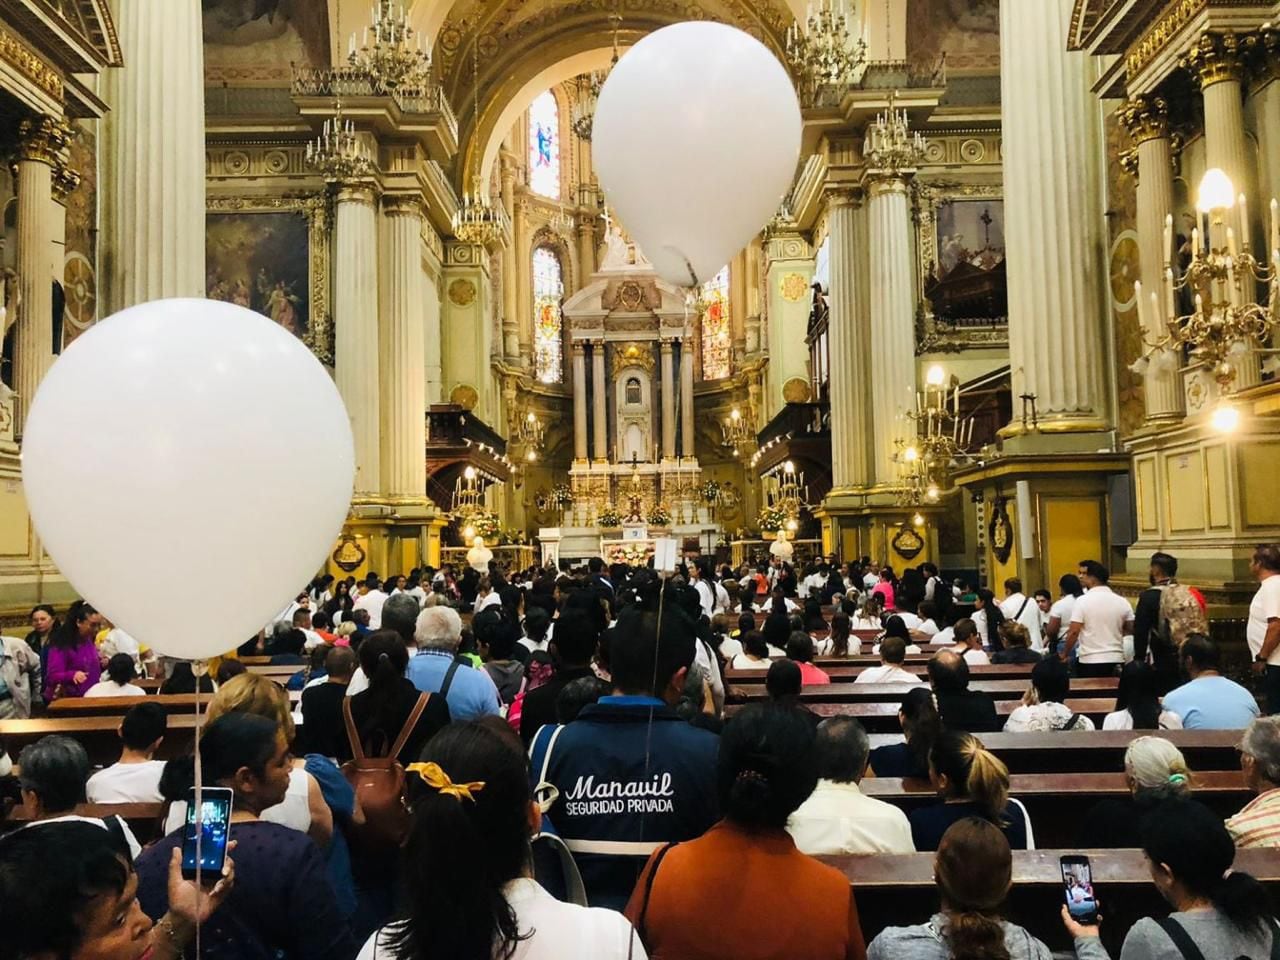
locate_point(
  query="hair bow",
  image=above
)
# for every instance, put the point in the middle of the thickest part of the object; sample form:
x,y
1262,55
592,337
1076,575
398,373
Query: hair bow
x,y
438,780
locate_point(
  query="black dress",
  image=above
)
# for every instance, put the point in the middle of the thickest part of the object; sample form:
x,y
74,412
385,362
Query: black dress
x,y
379,721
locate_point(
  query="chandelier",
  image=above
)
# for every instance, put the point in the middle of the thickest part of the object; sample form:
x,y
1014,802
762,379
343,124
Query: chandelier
x,y
941,438
530,433
823,54
337,153
395,59
582,113
785,492
477,220
737,431
468,494
1224,322
561,221
891,146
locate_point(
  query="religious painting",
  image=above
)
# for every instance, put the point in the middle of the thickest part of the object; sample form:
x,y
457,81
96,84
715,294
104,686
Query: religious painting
x,y
259,40
966,31
966,282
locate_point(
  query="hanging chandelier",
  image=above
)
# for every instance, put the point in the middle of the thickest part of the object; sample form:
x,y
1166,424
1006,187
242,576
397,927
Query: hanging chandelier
x,y
823,53
477,220
582,113
561,221
891,145
391,52
940,442
338,153
737,431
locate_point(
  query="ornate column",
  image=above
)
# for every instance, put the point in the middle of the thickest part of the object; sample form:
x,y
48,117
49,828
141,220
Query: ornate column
x,y
403,374
849,340
511,319
667,349
355,314
586,248
1217,62
599,414
40,141
524,287
1147,118
1053,232
686,398
579,402
153,173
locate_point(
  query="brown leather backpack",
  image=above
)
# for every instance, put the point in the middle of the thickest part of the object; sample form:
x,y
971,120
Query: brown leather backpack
x,y
379,783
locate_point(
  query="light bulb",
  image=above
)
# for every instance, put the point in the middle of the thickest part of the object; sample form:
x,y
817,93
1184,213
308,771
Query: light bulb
x,y
1216,191
469,473
735,415
789,467
932,492
469,532
531,456
531,418
911,454
918,520
935,376
791,525
1225,417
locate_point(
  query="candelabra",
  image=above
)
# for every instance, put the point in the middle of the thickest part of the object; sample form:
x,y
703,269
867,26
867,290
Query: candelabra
x,y
787,493
530,434
395,59
1225,322
891,146
561,222
337,153
823,53
477,220
468,494
939,441
737,431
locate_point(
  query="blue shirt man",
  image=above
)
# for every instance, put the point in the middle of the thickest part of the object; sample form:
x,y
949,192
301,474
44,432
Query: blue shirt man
x,y
1209,701
470,693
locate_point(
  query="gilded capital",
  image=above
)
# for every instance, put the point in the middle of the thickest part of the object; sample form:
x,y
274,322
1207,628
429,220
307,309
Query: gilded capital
x,y
360,191
64,181
1129,162
1216,57
1262,50
1146,117
43,139
402,205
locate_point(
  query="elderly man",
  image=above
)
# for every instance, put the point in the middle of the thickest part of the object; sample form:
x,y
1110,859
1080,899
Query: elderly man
x,y
837,818
960,707
1258,824
436,668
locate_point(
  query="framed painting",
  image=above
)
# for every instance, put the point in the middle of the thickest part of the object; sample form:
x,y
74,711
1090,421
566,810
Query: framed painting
x,y
272,256
964,293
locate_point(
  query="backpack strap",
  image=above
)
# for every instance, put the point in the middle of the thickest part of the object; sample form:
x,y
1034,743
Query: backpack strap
x,y
1025,601
407,730
353,735
448,678
1181,939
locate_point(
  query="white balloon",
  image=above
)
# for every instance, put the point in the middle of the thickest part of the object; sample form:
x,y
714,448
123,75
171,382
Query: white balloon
x,y
696,139
184,450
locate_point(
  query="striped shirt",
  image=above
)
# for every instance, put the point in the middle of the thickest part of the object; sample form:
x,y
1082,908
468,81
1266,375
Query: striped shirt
x,y
1258,824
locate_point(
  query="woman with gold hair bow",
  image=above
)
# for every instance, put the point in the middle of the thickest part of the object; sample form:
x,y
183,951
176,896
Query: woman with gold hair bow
x,y
467,873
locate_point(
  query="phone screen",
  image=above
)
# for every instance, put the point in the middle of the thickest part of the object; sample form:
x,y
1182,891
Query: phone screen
x,y
1077,886
216,810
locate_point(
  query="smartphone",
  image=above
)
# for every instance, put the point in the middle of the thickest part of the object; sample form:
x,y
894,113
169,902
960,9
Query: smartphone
x,y
213,832
1077,889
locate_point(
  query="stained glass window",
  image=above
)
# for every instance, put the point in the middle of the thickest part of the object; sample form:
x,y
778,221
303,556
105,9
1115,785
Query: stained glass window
x,y
544,146
548,323
717,337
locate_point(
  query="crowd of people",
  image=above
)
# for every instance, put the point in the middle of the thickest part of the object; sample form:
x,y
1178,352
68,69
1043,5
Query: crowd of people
x,y
575,786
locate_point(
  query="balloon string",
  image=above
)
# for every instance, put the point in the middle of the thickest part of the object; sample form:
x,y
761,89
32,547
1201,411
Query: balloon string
x,y
199,814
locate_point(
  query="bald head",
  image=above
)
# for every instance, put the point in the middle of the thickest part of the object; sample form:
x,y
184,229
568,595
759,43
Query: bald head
x,y
948,672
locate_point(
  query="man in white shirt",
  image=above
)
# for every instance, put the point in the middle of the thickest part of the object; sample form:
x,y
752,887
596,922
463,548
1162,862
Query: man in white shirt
x,y
135,778
837,818
871,577
893,652
1263,630
302,621
969,643
1017,605
1100,620
371,598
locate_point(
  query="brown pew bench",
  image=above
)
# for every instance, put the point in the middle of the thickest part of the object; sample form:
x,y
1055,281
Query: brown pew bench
x,y
882,717
883,692
97,734
847,670
899,890
146,820
174,703
281,673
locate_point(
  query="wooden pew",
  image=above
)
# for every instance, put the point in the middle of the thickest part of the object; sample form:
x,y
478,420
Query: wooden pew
x,y
97,734
1093,751
146,820
281,673
174,703
899,890
884,692
848,671
882,717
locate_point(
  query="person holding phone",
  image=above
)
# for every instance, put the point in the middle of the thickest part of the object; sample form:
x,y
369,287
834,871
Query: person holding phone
x,y
974,873
1218,912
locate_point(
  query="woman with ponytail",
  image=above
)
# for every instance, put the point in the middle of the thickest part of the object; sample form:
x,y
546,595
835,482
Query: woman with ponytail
x,y
784,903
974,871
1218,912
971,782
382,709
466,878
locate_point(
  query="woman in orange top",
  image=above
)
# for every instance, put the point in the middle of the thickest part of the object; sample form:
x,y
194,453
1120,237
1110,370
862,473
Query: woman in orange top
x,y
785,904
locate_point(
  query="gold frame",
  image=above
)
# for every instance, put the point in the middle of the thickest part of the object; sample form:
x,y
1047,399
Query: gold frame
x,y
317,209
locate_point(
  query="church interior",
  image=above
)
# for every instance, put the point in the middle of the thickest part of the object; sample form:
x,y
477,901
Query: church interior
x,y
966,336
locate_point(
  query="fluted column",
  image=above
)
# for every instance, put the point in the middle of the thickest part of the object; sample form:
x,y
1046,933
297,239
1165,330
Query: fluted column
x,y
1217,63
893,310
511,319
586,249
355,310
40,142
849,346
599,415
403,375
1054,235
579,402
1148,121
153,175
667,350
524,287
686,398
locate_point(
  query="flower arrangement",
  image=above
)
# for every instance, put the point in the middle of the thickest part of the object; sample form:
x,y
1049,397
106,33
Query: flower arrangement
x,y
486,525
634,553
711,491
772,520
658,515
609,516
561,495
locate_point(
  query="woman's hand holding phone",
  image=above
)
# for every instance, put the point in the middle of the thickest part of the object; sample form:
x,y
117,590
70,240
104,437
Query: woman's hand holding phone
x,y
1079,929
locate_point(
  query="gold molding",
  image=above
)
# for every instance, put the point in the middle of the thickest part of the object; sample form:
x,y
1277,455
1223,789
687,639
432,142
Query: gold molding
x,y
1146,118
64,181
1156,39
44,139
1215,58
18,55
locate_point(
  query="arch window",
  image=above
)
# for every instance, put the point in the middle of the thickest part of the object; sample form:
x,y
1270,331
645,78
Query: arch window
x,y
548,321
544,146
716,333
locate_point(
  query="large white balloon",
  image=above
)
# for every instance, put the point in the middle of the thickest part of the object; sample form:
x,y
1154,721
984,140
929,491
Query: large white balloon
x,y
183,451
696,139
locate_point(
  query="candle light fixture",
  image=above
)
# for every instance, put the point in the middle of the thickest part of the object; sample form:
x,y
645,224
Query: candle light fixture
x,y
823,52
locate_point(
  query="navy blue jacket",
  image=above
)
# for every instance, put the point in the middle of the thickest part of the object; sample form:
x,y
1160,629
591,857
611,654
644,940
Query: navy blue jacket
x,y
627,786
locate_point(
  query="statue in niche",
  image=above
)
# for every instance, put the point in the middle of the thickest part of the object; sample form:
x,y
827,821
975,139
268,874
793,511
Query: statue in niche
x,y
635,509
633,390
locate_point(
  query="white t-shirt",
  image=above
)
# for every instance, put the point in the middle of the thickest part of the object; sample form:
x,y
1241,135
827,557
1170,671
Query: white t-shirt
x,y
1102,615
1062,610
944,638
135,847
1043,718
371,601
557,931
740,662
109,688
911,648
1123,720
490,599
1030,617
1264,606
706,597
126,783
976,658
928,628
294,811
909,620
887,673
730,647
